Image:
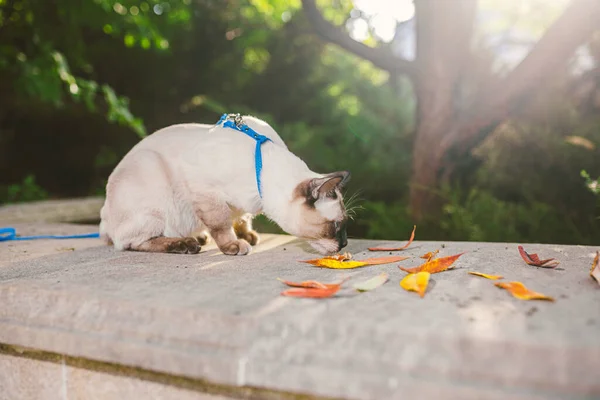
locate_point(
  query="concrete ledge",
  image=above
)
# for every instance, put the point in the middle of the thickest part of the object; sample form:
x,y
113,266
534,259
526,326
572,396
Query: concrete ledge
x,y
221,319
53,211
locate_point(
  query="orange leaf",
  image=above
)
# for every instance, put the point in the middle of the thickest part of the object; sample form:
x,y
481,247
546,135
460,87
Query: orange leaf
x,y
595,270
434,266
308,284
383,260
322,291
518,290
310,292
412,237
492,277
430,255
335,264
533,259
416,282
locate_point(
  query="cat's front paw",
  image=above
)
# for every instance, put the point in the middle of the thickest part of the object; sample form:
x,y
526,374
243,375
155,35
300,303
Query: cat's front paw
x,y
249,236
187,245
238,247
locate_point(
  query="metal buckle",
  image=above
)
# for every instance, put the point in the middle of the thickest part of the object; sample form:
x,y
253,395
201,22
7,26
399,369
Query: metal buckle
x,y
237,119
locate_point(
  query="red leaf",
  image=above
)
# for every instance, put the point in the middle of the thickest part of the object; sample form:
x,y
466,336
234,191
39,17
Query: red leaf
x,y
412,237
309,284
533,259
312,289
311,293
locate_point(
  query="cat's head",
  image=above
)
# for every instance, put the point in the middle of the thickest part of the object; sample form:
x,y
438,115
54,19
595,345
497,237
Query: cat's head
x,y
320,212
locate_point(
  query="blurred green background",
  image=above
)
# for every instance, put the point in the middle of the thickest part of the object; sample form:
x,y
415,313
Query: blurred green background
x,y
466,117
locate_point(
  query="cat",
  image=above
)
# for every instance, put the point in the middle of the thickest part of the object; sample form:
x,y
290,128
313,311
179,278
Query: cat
x,y
188,181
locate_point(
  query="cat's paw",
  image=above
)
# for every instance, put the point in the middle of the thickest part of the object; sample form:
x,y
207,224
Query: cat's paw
x,y
249,236
238,247
203,238
187,245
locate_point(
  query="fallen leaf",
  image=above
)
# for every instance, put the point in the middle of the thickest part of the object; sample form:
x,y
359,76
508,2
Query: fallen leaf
x,y
518,290
487,276
307,284
533,259
372,283
340,257
321,290
310,292
335,264
412,237
430,255
383,260
416,282
595,270
434,266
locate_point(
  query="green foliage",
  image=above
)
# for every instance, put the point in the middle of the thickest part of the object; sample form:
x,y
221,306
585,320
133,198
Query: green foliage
x,y
41,42
27,190
482,217
591,184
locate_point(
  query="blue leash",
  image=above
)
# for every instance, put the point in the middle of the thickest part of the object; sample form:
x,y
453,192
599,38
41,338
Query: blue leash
x,y
9,233
235,121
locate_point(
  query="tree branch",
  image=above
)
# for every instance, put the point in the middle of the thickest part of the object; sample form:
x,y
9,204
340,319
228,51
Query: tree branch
x,y
331,33
551,52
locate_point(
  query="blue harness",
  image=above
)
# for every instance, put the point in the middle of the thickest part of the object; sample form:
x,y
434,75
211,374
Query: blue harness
x,y
235,121
8,233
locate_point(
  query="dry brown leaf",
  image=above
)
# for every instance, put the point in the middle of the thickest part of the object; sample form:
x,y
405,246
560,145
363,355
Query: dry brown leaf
x,y
340,257
533,259
416,282
412,237
487,276
518,290
434,266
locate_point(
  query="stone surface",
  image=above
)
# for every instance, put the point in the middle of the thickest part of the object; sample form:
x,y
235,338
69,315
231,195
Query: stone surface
x,y
31,379
52,211
11,252
220,318
25,379
82,384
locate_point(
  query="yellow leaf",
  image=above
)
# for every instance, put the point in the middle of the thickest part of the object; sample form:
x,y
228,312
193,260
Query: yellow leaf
x,y
518,290
337,264
487,276
416,282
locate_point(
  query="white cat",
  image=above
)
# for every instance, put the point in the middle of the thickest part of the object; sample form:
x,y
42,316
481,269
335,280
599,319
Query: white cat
x,y
187,181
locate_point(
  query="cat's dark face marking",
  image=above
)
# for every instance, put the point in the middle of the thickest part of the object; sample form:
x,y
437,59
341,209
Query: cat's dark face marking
x,y
322,213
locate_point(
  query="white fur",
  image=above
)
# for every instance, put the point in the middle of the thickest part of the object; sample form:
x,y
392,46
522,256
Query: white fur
x,y
153,190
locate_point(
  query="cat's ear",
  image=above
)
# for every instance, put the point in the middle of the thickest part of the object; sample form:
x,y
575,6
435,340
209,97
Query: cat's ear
x,y
327,184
